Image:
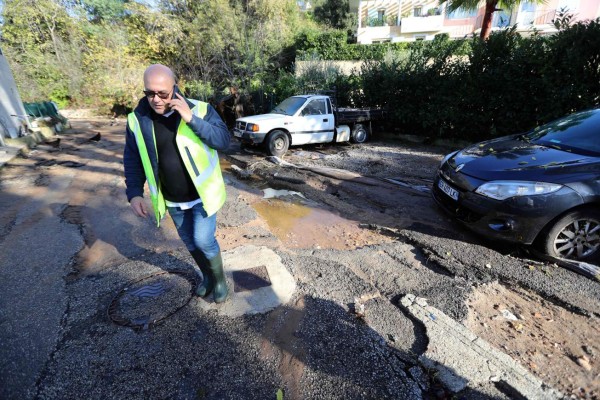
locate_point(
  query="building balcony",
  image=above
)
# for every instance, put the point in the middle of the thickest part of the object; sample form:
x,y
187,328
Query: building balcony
x,y
369,34
432,23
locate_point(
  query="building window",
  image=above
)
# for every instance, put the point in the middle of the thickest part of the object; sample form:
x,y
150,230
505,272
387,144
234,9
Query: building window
x,y
375,17
418,11
461,13
528,6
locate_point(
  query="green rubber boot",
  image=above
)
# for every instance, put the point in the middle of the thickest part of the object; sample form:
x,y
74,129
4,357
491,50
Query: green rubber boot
x,y
220,289
206,286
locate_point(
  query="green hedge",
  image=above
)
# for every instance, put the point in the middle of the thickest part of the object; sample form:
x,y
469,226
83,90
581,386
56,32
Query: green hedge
x,y
507,84
332,45
467,89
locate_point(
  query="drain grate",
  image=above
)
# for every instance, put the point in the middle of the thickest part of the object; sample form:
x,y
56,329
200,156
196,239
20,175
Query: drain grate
x,y
147,291
147,301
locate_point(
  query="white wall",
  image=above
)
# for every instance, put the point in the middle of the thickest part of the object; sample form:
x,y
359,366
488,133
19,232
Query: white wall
x,y
10,101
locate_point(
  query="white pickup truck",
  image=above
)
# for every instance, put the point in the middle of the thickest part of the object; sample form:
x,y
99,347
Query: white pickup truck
x,y
305,119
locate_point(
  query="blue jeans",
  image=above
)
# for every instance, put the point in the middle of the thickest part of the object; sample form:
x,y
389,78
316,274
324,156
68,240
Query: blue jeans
x,y
196,229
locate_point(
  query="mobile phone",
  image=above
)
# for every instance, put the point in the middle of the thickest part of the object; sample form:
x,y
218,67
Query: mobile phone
x,y
173,96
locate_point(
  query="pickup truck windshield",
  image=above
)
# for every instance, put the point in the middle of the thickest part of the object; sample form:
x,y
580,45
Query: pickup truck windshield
x,y
289,106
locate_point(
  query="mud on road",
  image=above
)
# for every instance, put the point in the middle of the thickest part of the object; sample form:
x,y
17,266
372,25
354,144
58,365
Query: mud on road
x,y
383,187
356,241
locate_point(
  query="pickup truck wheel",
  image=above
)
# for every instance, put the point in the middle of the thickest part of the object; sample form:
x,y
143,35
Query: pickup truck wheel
x,y
277,143
359,134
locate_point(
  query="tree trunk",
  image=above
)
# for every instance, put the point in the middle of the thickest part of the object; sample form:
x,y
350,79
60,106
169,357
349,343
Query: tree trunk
x,y
486,26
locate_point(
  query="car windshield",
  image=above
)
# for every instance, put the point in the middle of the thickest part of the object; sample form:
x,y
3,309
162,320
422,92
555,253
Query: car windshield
x,y
289,106
577,133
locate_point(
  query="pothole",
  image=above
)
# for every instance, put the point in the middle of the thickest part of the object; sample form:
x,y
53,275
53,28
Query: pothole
x,y
556,345
72,215
152,299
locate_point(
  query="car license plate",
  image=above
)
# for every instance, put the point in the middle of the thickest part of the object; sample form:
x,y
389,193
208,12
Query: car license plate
x,y
447,189
237,133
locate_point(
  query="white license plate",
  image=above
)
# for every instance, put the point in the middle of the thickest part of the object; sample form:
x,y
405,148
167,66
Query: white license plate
x,y
237,133
448,190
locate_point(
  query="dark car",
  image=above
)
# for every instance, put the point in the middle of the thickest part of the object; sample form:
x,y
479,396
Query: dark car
x,y
540,188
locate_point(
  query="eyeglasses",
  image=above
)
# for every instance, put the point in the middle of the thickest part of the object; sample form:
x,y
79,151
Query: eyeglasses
x,y
162,94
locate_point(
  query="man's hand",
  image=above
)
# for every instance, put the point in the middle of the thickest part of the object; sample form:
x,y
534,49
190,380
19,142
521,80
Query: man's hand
x,y
181,106
139,207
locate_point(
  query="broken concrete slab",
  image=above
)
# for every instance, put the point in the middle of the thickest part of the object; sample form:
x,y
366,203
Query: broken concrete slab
x,y
463,359
274,193
278,288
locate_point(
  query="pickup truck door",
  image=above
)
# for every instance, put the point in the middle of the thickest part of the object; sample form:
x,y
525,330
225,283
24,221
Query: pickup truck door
x,y
314,123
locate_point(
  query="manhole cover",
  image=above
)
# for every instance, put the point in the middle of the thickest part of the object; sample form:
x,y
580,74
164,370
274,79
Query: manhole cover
x,y
147,301
250,279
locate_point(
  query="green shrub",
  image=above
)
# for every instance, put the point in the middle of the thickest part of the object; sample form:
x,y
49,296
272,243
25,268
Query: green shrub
x,y
332,45
475,89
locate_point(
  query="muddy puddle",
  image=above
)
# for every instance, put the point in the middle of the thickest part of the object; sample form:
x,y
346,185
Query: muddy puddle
x,y
558,346
299,225
225,164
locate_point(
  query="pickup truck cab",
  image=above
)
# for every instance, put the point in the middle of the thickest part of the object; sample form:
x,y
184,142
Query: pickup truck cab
x,y
302,120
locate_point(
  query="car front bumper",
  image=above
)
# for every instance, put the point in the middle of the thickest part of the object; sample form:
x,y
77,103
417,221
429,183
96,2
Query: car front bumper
x,y
249,137
517,219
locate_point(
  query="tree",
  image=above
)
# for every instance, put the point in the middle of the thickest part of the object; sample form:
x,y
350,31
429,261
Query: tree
x,y
104,10
44,47
491,6
335,13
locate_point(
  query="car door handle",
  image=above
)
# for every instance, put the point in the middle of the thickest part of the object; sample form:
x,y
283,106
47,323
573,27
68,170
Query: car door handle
x,y
326,120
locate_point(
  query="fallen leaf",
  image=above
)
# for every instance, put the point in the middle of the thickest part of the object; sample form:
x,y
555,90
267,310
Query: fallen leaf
x,y
517,326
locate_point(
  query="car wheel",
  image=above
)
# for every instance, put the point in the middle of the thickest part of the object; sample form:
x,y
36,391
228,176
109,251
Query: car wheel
x,y
575,236
359,134
277,143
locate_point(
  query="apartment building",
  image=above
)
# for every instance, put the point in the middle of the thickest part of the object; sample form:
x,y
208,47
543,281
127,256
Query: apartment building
x,y
409,20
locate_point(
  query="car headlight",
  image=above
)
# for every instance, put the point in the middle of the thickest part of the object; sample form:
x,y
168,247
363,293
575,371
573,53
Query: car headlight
x,y
252,127
501,190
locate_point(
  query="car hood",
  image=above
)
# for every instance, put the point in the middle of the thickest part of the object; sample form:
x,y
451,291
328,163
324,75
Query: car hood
x,y
263,117
510,158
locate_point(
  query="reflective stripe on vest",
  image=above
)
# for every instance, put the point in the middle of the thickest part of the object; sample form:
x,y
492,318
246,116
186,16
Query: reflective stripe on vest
x,y
158,201
201,162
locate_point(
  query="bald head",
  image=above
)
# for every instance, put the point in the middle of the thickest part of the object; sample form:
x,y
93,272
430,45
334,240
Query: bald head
x,y
159,72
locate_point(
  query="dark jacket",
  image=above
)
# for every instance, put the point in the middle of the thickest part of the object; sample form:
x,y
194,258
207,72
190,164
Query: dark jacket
x,y
210,129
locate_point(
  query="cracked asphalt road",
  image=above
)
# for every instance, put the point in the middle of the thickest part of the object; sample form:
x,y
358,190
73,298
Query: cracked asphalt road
x,y
69,243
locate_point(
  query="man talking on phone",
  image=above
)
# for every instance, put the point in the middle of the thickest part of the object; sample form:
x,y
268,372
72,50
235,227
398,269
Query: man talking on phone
x,y
172,144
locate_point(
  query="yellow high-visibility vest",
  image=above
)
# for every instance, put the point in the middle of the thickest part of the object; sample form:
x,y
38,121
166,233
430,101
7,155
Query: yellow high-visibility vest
x,y
201,163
